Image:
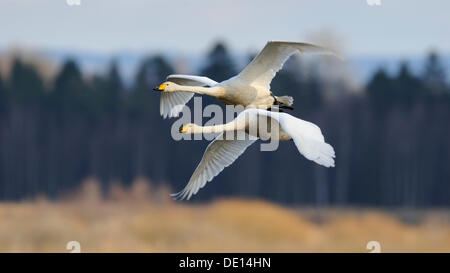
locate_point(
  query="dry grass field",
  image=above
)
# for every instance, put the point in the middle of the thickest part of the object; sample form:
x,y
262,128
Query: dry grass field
x,y
140,220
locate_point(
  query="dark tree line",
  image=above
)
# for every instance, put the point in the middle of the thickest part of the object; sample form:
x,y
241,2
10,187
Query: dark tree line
x,y
391,140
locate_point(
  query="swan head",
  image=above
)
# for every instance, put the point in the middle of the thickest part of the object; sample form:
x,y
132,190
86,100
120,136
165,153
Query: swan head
x,y
166,86
188,128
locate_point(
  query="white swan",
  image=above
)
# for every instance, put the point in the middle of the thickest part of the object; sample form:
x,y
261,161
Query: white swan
x,y
222,151
250,88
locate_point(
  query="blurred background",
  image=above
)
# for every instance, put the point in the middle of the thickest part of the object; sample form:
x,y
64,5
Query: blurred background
x,y
85,155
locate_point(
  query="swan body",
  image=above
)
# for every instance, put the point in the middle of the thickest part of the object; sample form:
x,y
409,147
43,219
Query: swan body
x,y
223,151
250,88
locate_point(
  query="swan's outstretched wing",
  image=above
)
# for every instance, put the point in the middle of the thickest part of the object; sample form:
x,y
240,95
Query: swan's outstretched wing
x,y
172,103
307,137
219,154
270,60
190,80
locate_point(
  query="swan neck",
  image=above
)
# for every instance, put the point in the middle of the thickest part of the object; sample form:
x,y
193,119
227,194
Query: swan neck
x,y
214,91
209,129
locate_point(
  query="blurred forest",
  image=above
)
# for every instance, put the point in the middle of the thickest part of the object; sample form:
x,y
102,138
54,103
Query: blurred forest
x,y
391,137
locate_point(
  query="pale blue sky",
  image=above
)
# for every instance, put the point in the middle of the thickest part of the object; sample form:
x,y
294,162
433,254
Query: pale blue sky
x,y
397,27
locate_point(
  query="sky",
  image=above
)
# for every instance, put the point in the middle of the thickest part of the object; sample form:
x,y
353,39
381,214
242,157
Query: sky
x,y
396,27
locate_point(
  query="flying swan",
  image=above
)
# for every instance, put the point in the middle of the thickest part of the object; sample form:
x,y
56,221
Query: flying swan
x,y
250,88
223,150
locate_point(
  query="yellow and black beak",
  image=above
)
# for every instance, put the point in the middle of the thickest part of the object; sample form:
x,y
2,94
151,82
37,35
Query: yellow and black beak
x,y
160,88
183,129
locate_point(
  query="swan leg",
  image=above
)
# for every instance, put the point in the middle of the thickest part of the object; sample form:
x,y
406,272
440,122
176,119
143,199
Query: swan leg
x,y
284,102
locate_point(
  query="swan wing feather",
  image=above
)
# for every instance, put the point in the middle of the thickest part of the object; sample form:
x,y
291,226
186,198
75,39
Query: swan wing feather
x,y
219,154
190,80
263,68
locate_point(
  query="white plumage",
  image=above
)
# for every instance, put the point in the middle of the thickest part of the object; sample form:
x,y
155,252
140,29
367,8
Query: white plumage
x,y
221,152
271,59
250,88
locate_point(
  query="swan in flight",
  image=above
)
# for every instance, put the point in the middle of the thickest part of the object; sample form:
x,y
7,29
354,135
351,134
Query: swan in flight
x,y
250,88
223,150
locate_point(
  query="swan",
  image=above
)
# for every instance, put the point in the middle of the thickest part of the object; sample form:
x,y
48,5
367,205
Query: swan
x,y
223,151
250,88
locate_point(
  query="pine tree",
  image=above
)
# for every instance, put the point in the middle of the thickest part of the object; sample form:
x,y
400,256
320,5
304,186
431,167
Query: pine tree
x,y
151,73
70,93
107,92
380,91
114,88
220,65
407,87
3,97
25,83
434,74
